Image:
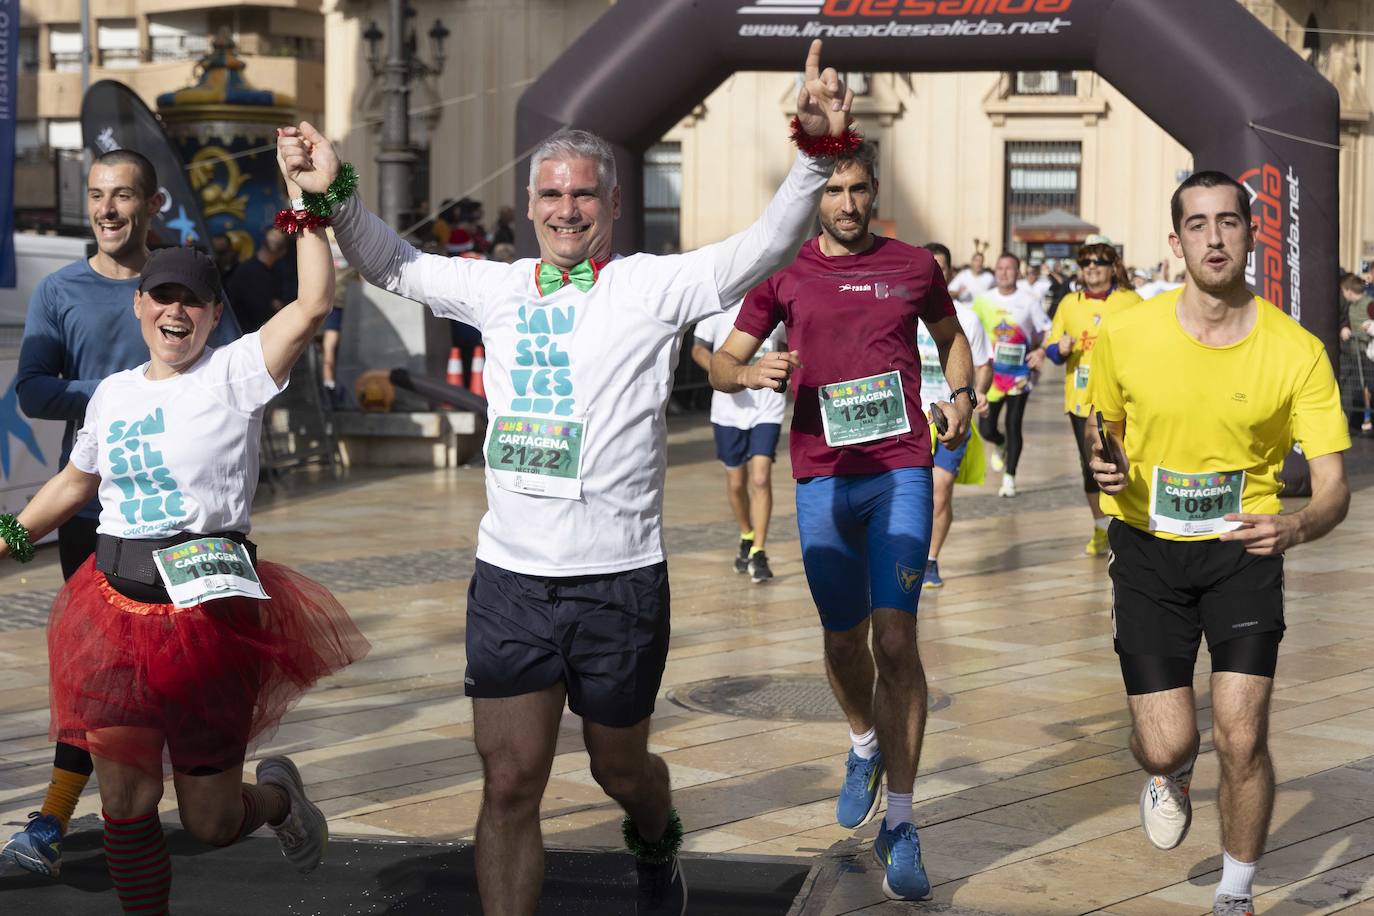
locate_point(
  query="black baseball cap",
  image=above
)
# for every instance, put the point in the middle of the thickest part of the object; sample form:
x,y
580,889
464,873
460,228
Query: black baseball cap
x,y
188,267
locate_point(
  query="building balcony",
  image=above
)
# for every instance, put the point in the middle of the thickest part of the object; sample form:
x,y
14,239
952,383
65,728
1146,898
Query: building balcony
x,y
59,92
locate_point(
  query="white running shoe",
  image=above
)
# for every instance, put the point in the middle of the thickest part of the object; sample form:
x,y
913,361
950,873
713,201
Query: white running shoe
x,y
1008,486
1166,811
997,458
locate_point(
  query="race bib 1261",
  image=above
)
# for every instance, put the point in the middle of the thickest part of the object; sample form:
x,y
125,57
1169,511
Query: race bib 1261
x,y
539,456
863,409
1190,504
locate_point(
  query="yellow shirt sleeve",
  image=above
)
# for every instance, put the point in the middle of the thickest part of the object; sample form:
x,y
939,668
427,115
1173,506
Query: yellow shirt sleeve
x,y
1319,423
1104,388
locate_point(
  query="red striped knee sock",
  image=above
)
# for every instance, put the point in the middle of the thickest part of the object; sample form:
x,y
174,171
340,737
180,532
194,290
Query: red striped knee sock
x,y
136,855
261,805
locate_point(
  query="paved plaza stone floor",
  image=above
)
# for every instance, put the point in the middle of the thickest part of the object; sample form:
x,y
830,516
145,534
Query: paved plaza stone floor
x,y
1027,796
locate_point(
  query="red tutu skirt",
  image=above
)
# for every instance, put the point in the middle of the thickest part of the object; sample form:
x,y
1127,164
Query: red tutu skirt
x,y
210,681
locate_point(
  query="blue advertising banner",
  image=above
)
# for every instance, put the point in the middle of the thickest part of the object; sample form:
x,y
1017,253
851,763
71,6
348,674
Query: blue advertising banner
x,y
9,62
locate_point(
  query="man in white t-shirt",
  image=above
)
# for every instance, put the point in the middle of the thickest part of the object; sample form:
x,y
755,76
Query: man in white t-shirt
x,y
569,600
971,282
935,388
746,425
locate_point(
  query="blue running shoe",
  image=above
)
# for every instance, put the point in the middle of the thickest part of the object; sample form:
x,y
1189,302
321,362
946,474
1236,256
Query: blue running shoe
x,y
932,577
899,853
862,791
38,847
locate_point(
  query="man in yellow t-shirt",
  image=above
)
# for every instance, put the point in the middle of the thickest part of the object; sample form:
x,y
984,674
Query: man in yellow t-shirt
x,y
1070,343
1203,391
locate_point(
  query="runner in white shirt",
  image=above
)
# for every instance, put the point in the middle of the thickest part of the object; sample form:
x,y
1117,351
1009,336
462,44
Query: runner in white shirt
x,y
174,635
746,425
569,599
971,282
965,463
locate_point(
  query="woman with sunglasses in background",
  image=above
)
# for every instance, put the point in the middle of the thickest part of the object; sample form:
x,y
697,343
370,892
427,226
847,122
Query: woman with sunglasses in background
x,y
1106,289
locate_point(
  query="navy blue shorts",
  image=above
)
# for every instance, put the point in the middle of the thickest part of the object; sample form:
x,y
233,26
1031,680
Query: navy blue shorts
x,y
865,540
947,460
734,447
334,320
604,637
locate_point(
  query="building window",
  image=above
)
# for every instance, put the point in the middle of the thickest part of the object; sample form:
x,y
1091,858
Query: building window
x,y
179,36
64,134
117,43
1044,82
1041,177
28,52
663,198
64,47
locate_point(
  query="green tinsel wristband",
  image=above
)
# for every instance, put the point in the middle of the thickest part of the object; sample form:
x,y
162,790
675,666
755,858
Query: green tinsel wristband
x,y
661,852
339,190
17,537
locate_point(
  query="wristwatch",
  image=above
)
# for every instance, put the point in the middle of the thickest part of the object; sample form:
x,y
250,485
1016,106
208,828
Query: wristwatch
x,y
972,395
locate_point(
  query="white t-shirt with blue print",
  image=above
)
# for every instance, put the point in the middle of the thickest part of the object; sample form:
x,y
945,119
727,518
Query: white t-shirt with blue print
x,y
178,454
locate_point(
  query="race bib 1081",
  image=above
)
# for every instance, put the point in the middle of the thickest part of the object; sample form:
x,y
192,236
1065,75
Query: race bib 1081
x,y
1191,503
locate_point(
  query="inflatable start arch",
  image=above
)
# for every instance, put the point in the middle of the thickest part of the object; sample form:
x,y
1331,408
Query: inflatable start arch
x,y
1208,72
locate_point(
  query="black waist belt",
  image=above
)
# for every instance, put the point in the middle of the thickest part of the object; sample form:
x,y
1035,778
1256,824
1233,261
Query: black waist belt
x,y
129,558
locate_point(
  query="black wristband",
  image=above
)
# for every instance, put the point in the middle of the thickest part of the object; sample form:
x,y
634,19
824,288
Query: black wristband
x,y
972,395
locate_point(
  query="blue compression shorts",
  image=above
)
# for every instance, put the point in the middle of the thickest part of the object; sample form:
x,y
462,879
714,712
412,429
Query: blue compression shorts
x,y
865,539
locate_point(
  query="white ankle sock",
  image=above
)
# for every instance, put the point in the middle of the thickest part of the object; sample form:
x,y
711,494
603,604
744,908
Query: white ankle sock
x,y
1237,878
1103,522
898,809
865,745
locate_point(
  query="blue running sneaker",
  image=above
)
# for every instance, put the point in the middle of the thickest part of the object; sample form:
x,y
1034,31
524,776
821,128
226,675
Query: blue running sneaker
x,y
932,577
899,853
862,791
38,847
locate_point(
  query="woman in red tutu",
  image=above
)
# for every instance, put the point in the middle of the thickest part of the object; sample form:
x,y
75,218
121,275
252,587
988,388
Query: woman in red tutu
x,y
174,637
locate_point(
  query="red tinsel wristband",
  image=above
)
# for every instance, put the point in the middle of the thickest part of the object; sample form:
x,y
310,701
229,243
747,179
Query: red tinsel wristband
x,y
824,146
293,222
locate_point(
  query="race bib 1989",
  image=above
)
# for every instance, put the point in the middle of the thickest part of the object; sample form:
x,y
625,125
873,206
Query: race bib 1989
x,y
205,569
540,456
863,409
1194,503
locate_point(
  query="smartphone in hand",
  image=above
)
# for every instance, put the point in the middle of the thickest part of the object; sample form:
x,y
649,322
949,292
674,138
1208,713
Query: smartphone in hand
x,y
1108,449
940,420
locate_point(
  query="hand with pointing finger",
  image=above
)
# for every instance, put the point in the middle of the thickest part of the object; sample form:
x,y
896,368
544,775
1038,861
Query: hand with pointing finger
x,y
823,103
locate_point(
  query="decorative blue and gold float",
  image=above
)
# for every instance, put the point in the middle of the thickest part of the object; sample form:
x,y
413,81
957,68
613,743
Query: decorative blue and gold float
x,y
225,130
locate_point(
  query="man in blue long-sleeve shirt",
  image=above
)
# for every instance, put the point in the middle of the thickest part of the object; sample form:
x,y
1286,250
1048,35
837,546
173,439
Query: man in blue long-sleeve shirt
x,y
79,329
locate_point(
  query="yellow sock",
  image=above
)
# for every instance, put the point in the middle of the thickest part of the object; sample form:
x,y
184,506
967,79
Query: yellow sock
x,y
755,549
63,793
747,536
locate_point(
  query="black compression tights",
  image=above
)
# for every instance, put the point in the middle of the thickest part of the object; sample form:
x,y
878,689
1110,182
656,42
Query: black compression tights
x,y
1013,440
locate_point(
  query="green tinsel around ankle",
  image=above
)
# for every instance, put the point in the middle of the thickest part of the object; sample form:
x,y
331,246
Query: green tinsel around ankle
x,y
661,852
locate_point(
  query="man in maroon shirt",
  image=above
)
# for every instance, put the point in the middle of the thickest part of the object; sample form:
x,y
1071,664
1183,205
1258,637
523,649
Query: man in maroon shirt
x,y
862,456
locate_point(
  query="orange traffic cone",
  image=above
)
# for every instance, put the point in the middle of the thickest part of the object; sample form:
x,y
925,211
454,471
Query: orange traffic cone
x,y
455,368
479,362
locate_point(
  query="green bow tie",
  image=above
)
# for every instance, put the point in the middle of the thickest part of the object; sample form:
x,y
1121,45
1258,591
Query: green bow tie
x,y
550,278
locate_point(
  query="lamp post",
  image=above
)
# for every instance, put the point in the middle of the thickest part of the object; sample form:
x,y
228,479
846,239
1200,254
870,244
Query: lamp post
x,y
396,162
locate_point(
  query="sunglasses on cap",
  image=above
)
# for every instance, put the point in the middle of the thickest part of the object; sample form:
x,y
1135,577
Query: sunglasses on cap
x,y
166,295
1095,262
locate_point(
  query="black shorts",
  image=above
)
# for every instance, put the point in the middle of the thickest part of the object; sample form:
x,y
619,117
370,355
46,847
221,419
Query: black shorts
x,y
1167,594
604,637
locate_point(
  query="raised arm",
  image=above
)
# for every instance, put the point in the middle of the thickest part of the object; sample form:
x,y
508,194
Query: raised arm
x,y
381,256
286,335
744,260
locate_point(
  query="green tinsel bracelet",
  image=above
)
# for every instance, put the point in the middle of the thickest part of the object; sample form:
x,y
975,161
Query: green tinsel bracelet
x,y
660,853
17,537
339,190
